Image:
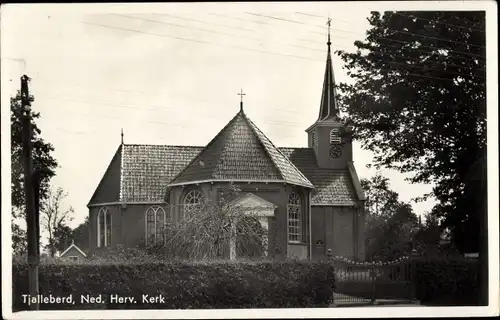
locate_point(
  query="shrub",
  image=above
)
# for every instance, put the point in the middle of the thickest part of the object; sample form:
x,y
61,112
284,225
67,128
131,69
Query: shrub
x,y
183,285
447,282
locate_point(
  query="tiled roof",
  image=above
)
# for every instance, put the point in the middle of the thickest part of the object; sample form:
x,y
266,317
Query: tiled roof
x,y
330,186
240,151
147,169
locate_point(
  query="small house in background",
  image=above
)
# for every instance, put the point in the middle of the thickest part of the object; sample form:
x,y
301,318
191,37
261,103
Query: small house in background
x,y
73,253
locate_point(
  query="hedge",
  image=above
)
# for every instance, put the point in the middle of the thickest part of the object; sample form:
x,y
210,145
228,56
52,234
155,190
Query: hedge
x,y
183,285
449,282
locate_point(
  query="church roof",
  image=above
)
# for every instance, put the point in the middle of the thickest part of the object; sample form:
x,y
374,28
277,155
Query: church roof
x,y
240,151
144,172
331,186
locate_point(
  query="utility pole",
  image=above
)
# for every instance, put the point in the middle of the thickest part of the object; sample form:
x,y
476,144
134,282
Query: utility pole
x,y
31,215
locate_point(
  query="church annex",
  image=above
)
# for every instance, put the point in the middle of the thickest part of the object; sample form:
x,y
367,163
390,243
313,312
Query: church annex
x,y
312,195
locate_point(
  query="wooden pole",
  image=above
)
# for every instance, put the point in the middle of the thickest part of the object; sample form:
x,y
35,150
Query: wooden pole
x,y
31,218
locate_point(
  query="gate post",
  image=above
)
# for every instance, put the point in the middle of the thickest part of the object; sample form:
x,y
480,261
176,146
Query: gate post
x,y
413,273
329,257
373,277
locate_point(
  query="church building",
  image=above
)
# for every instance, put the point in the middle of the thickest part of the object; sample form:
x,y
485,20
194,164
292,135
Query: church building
x,y
312,196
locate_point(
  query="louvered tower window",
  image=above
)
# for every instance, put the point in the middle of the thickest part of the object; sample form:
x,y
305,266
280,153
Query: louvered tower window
x,y
335,136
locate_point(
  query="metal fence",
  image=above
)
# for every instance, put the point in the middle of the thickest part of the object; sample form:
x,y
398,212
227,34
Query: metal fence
x,y
372,282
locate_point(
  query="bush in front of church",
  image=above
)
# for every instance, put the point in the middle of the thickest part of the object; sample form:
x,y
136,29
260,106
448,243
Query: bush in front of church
x,y
447,282
182,285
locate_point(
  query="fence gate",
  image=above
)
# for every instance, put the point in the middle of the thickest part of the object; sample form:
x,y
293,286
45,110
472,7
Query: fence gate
x,y
373,282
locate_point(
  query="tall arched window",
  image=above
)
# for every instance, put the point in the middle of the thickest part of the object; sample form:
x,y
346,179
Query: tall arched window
x,y
103,227
335,136
192,199
155,225
294,217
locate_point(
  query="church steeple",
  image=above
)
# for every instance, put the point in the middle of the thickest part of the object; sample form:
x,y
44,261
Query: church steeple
x,y
328,107
328,136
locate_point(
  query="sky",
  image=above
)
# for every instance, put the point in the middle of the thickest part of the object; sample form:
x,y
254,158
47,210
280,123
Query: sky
x,y
171,75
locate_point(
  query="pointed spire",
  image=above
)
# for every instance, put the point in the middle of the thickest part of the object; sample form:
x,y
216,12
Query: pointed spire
x,y
122,135
328,107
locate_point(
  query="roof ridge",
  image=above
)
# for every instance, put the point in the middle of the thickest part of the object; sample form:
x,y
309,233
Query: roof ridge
x,y
254,128
202,150
159,145
302,148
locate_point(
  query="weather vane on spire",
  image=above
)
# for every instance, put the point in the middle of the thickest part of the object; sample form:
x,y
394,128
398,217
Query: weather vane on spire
x,y
329,23
241,94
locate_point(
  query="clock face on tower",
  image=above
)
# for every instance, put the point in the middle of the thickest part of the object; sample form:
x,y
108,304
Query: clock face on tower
x,y
335,152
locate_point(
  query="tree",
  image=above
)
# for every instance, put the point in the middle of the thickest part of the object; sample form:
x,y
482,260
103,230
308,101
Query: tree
x,y
419,103
42,157
81,234
207,230
429,234
42,160
390,223
19,240
62,237
55,218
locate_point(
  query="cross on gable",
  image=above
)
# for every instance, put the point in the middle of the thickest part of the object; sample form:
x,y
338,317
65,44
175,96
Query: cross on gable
x,y
241,94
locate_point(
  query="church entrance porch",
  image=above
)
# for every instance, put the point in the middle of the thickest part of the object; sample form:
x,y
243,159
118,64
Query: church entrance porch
x,y
250,230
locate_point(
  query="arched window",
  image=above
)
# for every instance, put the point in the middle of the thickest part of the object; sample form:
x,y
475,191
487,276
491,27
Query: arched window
x,y
103,227
294,217
192,199
335,136
155,224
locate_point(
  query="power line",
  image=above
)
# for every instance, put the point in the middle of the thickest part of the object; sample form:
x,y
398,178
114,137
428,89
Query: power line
x,y
205,42
400,41
400,14
199,41
394,46
186,27
135,107
399,31
199,21
420,35
303,23
438,22
299,22
200,29
226,16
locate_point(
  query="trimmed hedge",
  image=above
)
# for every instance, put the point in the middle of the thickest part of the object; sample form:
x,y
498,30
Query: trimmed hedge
x,y
183,285
449,282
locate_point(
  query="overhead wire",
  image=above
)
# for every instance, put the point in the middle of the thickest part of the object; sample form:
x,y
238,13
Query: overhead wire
x,y
439,22
400,14
200,21
186,27
304,23
399,31
135,107
391,62
200,41
132,30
